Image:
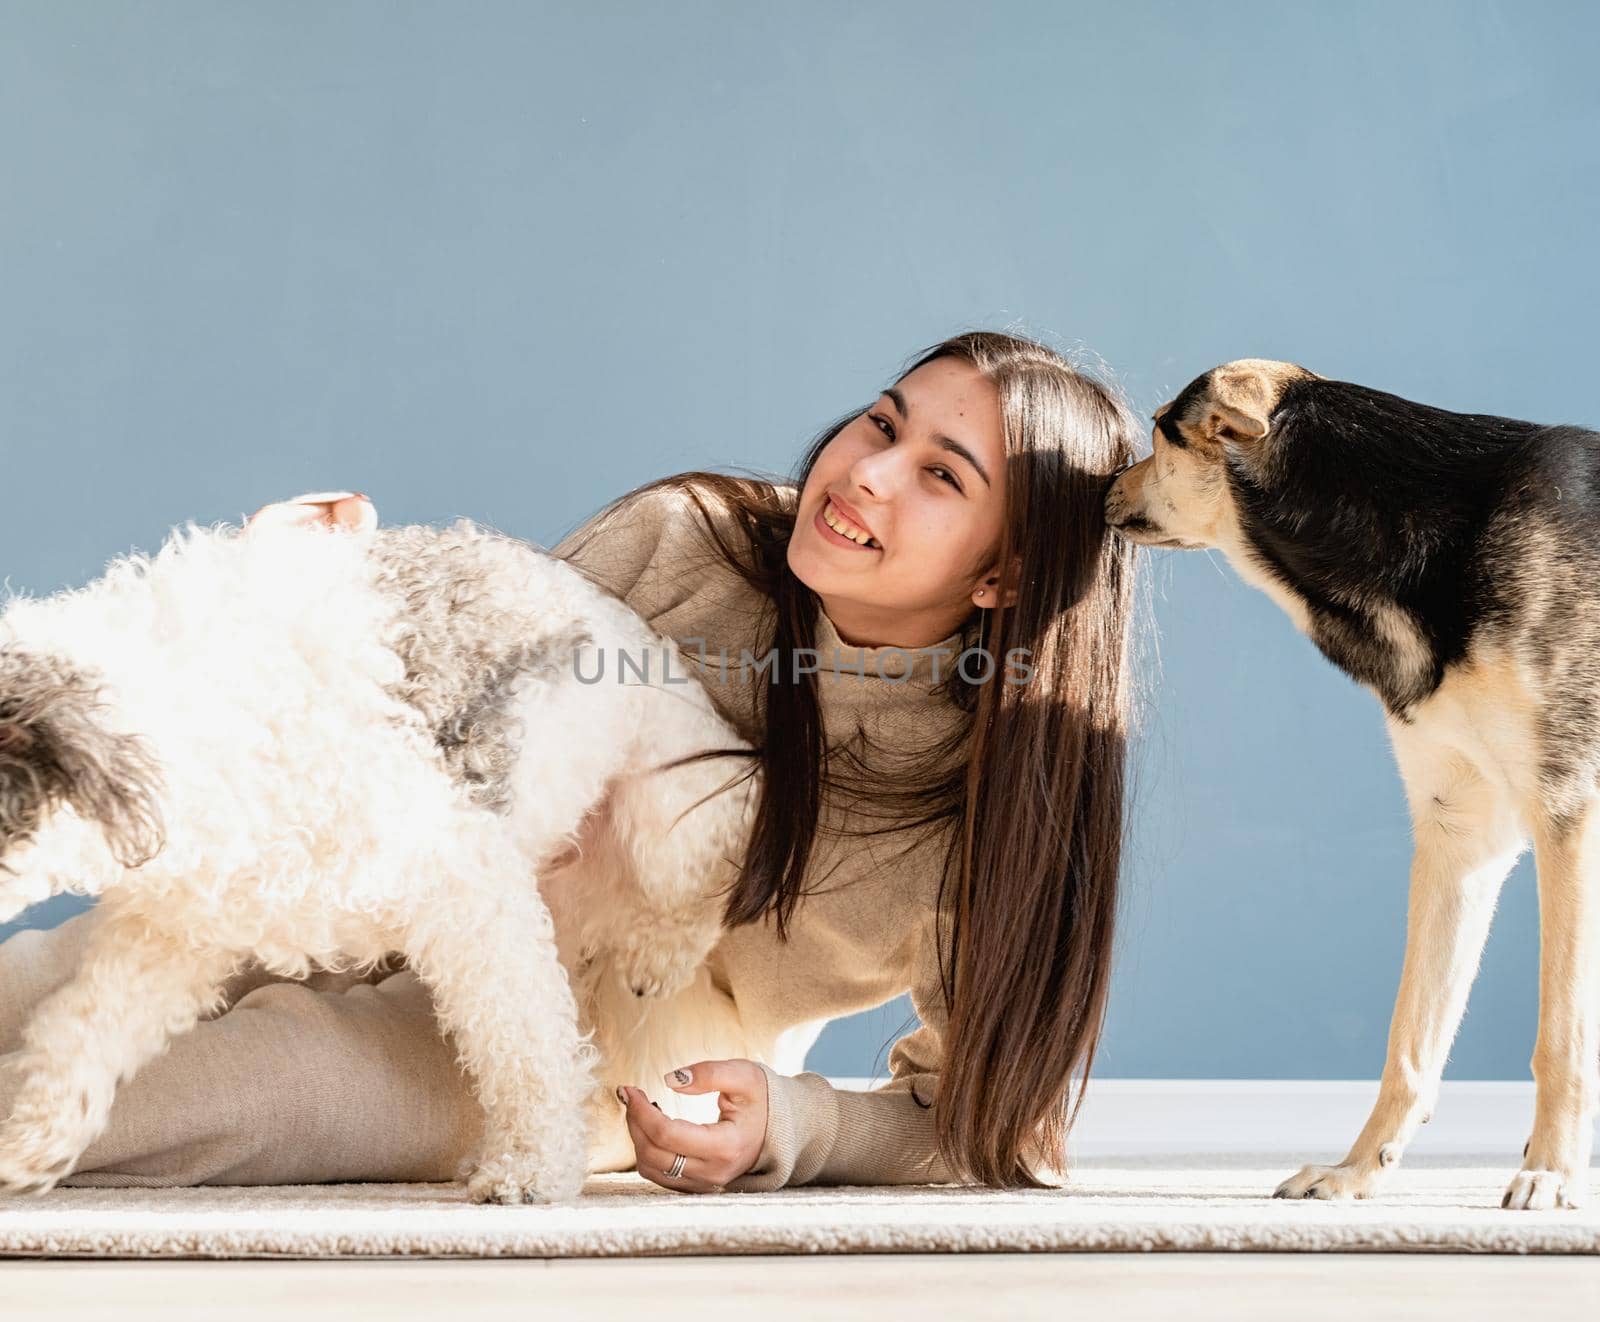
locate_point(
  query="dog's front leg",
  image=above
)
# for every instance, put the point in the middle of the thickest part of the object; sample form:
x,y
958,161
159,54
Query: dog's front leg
x,y
138,987
1467,839
67,855
1566,1055
485,946
685,832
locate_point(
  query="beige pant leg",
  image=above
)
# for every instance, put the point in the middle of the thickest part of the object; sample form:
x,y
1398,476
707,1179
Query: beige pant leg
x,y
36,961
291,1085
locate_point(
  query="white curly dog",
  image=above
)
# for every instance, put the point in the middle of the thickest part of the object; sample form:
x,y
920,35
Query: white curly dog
x,y
314,747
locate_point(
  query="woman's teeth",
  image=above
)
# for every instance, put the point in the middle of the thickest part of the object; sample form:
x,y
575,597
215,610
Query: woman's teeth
x,y
845,528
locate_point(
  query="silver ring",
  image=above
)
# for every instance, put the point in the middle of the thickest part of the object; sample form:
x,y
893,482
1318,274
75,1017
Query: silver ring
x,y
677,1167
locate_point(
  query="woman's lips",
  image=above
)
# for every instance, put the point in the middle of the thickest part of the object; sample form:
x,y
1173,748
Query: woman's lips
x,y
839,539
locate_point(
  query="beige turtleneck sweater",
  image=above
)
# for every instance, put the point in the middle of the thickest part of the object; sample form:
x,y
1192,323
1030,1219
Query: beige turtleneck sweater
x,y
866,934
331,1079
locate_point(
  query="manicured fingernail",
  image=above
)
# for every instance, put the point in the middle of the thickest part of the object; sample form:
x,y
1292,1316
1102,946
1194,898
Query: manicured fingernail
x,y
678,1077
622,1094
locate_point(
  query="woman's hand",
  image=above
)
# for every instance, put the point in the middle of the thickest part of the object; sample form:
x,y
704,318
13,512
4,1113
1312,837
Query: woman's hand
x,y
334,509
716,1153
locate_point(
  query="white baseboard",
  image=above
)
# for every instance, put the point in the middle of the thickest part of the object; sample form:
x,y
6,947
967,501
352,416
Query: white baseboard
x,y
1309,1118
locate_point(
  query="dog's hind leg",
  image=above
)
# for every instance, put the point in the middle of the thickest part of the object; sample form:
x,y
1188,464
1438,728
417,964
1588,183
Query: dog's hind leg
x,y
484,944
1566,1055
139,986
1467,839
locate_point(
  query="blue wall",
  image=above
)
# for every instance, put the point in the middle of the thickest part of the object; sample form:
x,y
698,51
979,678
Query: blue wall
x,y
509,260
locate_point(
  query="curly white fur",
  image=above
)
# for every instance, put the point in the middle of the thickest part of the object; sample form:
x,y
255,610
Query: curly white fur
x,y
346,745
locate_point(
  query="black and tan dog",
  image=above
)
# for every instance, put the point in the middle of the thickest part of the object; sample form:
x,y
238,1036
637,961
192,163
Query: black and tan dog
x,y
1451,563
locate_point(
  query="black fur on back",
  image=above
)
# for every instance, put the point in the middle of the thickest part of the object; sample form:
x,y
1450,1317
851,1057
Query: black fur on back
x,y
1364,503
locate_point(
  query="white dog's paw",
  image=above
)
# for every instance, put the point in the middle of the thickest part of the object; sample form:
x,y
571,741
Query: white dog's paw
x,y
33,1160
1541,1190
1331,1182
513,1178
650,969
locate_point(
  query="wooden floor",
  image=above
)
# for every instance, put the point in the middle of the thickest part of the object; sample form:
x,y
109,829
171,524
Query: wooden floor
x,y
1012,1287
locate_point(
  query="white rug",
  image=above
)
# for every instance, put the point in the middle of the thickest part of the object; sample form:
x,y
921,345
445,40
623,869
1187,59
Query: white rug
x,y
1160,1165
1140,1204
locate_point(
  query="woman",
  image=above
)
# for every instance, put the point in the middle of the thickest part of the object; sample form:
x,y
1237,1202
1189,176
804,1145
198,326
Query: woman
x,y
949,830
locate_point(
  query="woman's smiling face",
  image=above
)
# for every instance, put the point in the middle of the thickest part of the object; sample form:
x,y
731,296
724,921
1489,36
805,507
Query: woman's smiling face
x,y
922,471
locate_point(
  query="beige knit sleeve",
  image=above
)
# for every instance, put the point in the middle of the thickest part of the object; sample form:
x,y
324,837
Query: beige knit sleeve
x,y
819,1134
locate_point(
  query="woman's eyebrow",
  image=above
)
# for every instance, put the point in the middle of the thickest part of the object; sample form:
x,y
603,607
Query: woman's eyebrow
x,y
942,441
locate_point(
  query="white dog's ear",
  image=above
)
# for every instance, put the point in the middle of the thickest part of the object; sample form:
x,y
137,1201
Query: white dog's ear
x,y
348,510
55,749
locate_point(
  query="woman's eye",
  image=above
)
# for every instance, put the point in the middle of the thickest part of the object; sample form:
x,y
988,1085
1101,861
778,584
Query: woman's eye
x,y
887,428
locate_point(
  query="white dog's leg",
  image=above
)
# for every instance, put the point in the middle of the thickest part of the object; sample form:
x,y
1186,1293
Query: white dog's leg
x,y
138,988
665,918
67,854
485,946
1467,839
1566,1055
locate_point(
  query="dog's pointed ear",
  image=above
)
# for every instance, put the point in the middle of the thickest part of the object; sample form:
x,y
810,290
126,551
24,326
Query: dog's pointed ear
x,y
1228,423
1242,396
1238,407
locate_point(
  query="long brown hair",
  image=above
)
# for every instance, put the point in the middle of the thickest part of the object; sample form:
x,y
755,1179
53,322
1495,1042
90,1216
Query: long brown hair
x,y
1029,790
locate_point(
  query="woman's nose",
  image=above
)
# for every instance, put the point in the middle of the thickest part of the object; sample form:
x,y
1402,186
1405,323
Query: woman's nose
x,y
876,474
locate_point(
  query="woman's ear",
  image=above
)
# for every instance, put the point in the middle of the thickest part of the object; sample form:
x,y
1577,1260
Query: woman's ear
x,y
986,593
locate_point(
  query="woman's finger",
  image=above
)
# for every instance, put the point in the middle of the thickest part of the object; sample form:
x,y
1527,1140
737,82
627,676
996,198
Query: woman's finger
x,y
737,1080
655,1164
693,1140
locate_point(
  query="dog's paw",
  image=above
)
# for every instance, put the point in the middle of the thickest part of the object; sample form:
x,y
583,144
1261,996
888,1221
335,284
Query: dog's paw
x,y
655,970
1330,1182
1541,1190
649,984
513,1178
33,1161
